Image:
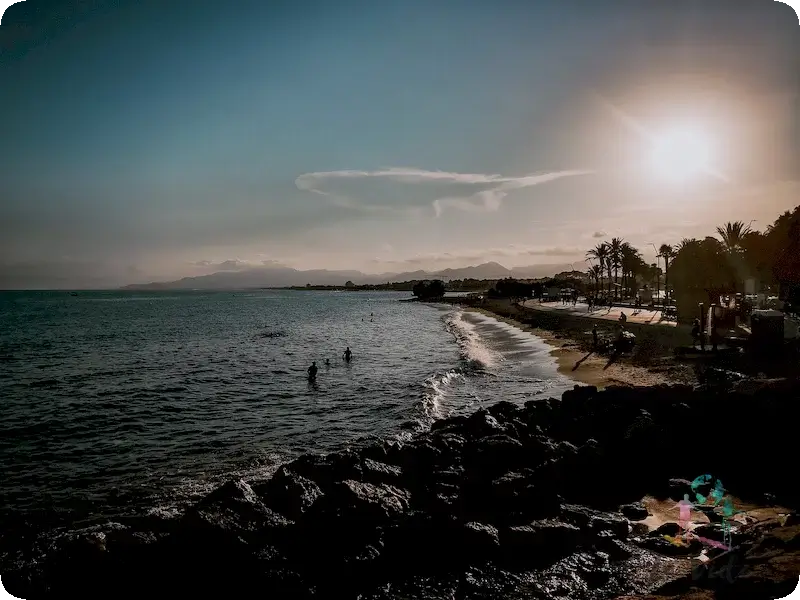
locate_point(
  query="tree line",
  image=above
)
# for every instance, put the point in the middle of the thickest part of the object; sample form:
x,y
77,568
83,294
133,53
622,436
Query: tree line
x,y
712,265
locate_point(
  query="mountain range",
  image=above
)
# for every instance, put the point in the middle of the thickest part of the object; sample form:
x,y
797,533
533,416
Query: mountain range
x,y
275,276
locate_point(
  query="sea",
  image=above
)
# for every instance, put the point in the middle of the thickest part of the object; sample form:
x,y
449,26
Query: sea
x,y
121,403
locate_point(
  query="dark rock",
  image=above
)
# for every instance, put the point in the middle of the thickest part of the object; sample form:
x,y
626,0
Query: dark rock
x,y
234,508
612,523
451,424
479,540
545,540
667,548
504,411
378,472
420,458
364,501
670,529
573,400
616,549
481,424
326,470
391,518
288,493
715,516
635,511
448,442
494,455
510,499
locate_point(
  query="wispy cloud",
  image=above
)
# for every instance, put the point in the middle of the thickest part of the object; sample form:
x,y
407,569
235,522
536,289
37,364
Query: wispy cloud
x,y
485,254
485,192
234,264
599,234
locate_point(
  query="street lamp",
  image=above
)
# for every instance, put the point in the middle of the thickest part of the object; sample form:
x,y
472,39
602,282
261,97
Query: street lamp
x,y
658,276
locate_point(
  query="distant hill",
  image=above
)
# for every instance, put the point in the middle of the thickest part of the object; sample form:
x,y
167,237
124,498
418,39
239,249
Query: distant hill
x,y
270,276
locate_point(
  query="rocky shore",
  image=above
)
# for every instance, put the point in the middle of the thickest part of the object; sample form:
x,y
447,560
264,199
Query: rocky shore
x,y
552,499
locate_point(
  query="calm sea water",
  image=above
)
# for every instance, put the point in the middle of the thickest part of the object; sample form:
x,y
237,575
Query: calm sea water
x,y
114,403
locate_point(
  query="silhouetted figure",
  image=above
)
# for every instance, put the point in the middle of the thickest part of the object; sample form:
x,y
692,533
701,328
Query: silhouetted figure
x,y
327,362
695,332
348,355
312,371
594,336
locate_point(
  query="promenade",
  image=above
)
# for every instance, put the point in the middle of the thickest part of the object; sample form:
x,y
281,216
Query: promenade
x,y
640,316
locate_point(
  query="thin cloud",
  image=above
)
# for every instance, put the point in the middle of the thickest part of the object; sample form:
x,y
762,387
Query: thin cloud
x,y
234,264
487,199
599,234
484,255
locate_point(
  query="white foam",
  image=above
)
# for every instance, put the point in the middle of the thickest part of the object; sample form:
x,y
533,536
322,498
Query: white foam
x,y
470,341
528,340
534,349
438,386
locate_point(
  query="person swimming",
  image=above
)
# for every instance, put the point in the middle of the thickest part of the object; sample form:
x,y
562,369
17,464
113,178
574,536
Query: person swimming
x,y
327,362
347,355
312,371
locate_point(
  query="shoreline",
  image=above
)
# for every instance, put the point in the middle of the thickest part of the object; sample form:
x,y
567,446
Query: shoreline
x,y
581,364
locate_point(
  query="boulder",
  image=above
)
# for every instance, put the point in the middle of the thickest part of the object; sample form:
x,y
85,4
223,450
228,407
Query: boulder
x,y
236,509
635,511
542,541
613,547
482,424
326,470
494,455
374,471
663,546
364,501
670,529
289,493
479,541
503,410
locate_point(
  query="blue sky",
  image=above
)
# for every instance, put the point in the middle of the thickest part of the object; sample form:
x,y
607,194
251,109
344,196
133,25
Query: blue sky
x,y
147,142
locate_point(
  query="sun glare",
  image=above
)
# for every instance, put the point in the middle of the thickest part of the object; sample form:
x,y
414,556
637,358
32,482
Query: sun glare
x,y
682,154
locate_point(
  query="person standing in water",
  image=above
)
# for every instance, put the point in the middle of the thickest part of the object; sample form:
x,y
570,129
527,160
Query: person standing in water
x,y
312,371
347,355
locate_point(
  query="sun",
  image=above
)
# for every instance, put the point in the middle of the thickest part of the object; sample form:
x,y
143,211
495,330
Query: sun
x,y
682,153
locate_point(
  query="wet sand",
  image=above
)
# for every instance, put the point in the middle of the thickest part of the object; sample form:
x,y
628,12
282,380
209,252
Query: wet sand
x,y
581,365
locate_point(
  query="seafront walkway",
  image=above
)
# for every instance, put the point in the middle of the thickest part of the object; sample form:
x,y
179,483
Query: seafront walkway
x,y
640,316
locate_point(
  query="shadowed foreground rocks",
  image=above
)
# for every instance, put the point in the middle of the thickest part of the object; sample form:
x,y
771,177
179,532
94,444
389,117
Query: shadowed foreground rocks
x,y
533,501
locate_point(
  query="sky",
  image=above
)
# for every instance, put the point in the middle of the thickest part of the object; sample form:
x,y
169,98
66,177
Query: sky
x,y
151,141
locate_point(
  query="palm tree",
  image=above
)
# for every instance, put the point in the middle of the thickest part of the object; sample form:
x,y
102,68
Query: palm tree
x,y
615,252
668,253
601,253
733,235
628,262
596,271
734,240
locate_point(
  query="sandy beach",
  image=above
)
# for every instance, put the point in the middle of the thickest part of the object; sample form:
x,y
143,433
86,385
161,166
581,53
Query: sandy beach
x,y
584,366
